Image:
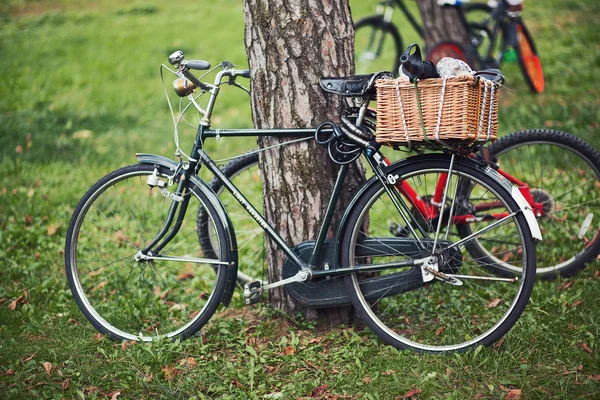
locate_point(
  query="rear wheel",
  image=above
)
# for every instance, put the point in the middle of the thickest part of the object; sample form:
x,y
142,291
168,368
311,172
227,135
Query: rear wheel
x,y
244,172
377,45
125,294
563,175
437,316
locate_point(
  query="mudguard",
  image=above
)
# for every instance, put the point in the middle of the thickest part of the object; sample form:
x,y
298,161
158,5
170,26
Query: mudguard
x,y
222,214
516,195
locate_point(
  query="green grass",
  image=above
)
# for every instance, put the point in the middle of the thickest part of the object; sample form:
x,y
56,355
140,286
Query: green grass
x,y
74,66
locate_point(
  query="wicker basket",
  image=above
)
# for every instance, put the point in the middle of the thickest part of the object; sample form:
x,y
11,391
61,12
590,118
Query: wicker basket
x,y
454,109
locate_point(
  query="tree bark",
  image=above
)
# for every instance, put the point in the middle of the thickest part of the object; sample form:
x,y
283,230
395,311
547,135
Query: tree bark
x,y
441,24
290,45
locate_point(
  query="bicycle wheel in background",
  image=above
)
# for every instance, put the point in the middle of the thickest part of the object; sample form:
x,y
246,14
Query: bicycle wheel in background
x,y
563,174
245,174
405,310
377,45
528,59
119,292
453,50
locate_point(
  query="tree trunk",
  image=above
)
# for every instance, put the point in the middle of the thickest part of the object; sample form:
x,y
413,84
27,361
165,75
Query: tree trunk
x,y
441,24
290,45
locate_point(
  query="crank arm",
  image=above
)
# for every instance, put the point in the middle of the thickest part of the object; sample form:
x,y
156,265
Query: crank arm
x,y
302,276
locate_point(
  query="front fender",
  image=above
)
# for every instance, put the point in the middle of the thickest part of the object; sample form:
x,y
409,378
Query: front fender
x,y
223,218
516,195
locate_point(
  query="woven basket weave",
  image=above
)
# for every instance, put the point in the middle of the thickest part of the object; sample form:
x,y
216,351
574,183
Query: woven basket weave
x,y
460,108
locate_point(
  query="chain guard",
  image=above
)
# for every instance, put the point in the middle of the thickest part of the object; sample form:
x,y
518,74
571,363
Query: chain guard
x,y
324,292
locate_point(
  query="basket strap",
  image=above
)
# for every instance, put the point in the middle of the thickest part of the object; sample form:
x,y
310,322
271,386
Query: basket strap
x,y
482,112
493,92
421,113
402,113
439,119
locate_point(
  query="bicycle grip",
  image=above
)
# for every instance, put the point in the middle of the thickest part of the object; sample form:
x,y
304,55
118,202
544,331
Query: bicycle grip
x,y
196,64
244,73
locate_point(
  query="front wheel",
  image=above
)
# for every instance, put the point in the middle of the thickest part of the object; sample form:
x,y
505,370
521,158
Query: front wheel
x,y
377,45
405,310
125,294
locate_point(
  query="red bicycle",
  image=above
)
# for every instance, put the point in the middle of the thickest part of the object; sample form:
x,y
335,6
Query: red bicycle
x,y
557,173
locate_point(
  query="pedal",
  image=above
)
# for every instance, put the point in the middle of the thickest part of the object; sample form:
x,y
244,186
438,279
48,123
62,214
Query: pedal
x,y
252,292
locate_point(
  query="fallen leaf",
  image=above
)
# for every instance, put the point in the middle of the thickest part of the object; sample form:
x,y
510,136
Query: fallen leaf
x,y
595,377
53,228
28,219
319,391
19,149
578,302
439,331
185,275
10,372
191,361
114,395
169,372
84,134
567,285
597,273
499,343
513,394
366,379
237,383
73,321
494,303
65,384
289,350
24,360
98,337
30,193
388,372
411,393
586,348
126,344
47,367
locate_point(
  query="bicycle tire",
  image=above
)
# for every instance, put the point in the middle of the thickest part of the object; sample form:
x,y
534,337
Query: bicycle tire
x,y
244,172
428,318
369,59
529,59
538,157
142,300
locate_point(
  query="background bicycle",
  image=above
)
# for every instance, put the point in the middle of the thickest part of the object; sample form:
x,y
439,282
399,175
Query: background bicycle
x,y
496,35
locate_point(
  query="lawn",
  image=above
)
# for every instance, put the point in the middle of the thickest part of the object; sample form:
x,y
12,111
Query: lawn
x,y
81,94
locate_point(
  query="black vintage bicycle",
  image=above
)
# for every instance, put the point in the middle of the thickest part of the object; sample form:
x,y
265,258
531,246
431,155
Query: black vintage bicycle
x,y
496,34
151,251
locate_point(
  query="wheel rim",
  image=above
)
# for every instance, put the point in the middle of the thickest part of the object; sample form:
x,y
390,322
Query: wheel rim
x,y
441,317
531,61
129,299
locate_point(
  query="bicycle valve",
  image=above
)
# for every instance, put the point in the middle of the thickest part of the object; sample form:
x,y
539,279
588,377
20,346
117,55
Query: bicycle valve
x,y
183,87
